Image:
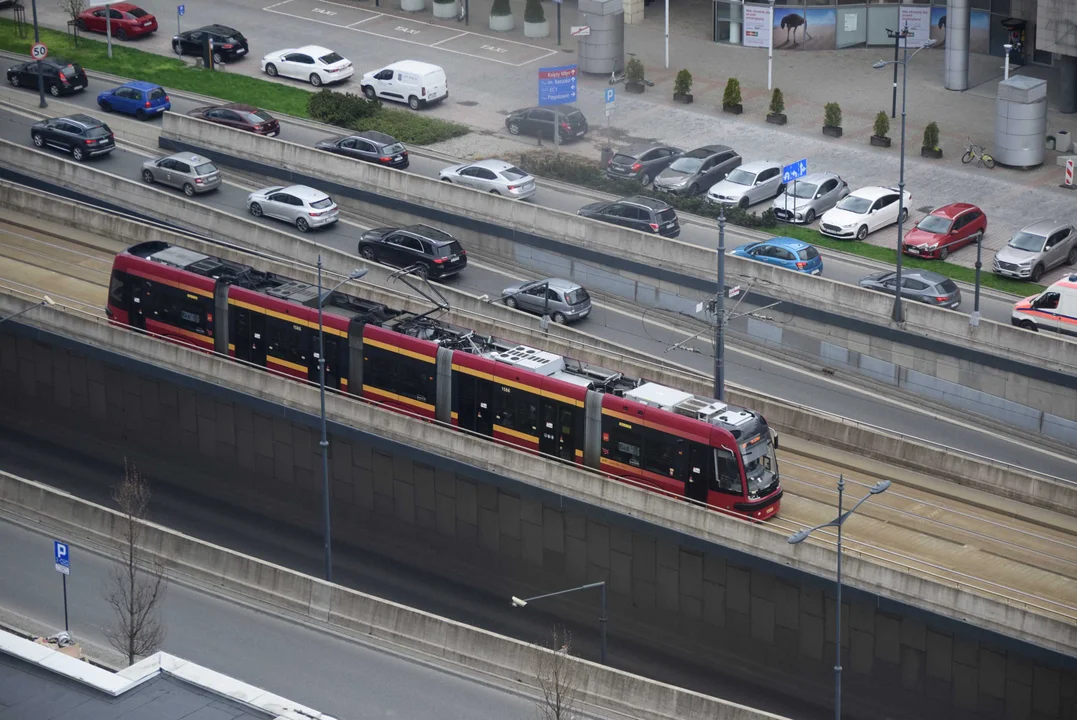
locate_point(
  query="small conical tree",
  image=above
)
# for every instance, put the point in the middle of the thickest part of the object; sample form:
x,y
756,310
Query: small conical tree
x,y
777,102
533,12
882,125
501,7
731,96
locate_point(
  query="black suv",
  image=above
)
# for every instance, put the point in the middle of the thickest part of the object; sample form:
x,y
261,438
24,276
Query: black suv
x,y
539,121
437,254
61,77
228,43
645,214
81,135
369,145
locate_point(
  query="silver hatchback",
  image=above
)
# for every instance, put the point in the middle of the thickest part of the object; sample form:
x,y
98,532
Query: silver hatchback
x,y
1036,249
805,199
193,174
561,300
298,205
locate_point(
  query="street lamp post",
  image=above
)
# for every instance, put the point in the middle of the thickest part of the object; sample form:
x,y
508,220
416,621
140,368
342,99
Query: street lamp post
x,y
45,300
719,312
898,314
355,275
521,602
801,535
974,318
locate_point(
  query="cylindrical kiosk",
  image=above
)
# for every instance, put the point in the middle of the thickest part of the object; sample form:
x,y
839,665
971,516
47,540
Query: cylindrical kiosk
x,y
1021,122
603,51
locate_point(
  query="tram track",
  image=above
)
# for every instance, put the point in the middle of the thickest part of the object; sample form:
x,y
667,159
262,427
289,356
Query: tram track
x,y
1011,553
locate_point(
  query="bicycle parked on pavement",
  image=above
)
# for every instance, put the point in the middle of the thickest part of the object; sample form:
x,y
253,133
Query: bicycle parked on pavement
x,y
976,152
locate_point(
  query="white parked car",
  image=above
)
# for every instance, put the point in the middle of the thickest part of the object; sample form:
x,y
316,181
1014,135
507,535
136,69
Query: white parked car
x,y
313,63
864,211
492,176
408,81
297,205
748,184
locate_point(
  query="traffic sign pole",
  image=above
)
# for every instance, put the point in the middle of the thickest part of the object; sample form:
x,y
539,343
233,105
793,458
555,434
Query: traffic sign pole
x,y
62,562
40,69
558,3
179,14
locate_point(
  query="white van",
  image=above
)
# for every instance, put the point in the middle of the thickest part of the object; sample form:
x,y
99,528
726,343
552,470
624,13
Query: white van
x,y
1053,309
408,81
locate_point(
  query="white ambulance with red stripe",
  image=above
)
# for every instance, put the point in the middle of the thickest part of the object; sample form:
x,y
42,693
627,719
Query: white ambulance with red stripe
x,y
1053,309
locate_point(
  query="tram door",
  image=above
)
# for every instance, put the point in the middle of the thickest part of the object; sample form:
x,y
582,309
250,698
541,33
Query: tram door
x,y
474,411
249,336
139,298
332,361
548,432
695,486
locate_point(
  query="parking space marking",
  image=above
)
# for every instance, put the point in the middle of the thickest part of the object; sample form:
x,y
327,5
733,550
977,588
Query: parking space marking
x,y
482,47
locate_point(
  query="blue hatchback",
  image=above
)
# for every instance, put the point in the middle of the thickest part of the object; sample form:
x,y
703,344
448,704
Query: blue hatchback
x,y
141,99
789,253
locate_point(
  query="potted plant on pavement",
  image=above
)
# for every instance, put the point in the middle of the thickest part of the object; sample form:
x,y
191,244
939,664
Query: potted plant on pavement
x,y
832,120
776,116
501,16
634,76
445,9
535,23
682,87
880,129
731,100
930,148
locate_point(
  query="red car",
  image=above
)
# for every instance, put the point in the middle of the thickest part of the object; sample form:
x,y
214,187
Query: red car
x,y
128,21
944,230
240,117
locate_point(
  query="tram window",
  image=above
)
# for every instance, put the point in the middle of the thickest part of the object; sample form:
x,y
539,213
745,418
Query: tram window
x,y
626,446
378,368
117,289
660,452
178,307
413,378
286,340
727,471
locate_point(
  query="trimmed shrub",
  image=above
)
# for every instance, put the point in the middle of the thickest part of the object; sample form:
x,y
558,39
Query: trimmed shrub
x,y
832,115
731,96
931,136
501,7
341,109
777,102
634,70
533,12
882,125
683,84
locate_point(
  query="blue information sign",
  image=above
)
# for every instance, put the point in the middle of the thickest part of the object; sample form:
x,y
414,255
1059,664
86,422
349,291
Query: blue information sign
x,y
794,171
180,9
610,95
61,557
557,85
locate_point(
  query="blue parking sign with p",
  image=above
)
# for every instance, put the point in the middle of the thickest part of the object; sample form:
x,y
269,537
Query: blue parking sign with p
x,y
62,557
180,9
609,95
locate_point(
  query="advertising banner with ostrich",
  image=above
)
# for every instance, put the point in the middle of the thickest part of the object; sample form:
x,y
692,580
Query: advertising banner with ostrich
x,y
804,29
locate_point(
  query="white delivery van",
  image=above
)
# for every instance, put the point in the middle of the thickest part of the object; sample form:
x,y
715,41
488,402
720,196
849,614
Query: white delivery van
x,y
1053,309
408,81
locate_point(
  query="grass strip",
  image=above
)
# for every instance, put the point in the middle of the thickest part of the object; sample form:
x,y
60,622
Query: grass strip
x,y
171,72
579,170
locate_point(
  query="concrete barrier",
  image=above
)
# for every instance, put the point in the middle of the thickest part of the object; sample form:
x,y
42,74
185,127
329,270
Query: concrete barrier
x,y
991,612
465,648
669,265
841,433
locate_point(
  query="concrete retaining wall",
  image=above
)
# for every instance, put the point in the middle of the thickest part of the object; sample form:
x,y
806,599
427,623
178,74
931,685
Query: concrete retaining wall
x,y
465,648
841,433
687,583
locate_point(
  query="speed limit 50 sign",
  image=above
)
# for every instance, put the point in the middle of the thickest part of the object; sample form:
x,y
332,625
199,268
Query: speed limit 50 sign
x,y
39,51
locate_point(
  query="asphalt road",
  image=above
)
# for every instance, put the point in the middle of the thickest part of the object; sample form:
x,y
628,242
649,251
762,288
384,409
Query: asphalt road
x,y
836,266
347,680
745,367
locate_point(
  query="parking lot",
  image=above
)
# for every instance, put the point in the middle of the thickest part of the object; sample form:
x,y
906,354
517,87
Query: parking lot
x,y
414,32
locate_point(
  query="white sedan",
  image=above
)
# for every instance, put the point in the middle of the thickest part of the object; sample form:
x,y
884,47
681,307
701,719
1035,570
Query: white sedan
x,y
864,211
496,177
313,63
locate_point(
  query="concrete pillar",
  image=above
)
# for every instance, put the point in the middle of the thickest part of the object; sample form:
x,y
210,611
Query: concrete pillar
x,y
957,45
633,12
1067,83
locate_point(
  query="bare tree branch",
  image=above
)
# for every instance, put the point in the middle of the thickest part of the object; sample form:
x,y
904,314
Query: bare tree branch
x,y
558,678
72,7
136,583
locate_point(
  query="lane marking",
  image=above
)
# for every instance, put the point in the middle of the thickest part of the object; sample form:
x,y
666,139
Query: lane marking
x,y
448,39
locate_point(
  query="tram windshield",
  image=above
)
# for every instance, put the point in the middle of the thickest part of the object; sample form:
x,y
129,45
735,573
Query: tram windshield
x,y
760,467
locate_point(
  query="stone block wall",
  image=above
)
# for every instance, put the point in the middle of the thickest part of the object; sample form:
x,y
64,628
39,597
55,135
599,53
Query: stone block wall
x,y
670,595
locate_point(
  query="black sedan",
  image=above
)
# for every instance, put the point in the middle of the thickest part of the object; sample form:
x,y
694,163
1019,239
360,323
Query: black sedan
x,y
919,285
61,77
370,146
539,121
228,43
